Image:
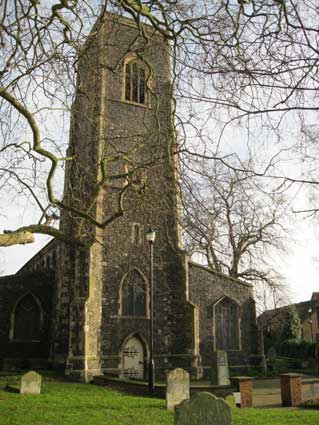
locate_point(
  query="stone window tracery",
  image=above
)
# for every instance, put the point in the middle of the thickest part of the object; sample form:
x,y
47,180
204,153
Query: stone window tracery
x,y
134,295
135,82
226,325
26,319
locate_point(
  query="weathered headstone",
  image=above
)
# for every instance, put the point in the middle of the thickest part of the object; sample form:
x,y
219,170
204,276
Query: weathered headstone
x,y
220,371
203,409
30,383
177,387
237,398
272,354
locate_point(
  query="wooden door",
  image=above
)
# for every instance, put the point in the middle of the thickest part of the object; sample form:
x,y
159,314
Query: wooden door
x,y
133,359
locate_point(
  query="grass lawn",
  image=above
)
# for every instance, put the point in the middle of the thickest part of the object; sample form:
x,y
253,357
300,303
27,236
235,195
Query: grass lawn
x,y
65,403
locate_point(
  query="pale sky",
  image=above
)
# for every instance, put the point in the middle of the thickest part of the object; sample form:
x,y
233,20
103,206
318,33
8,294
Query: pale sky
x,y
301,264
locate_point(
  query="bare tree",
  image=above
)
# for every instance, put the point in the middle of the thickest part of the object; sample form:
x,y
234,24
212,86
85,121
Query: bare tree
x,y
235,223
42,45
253,65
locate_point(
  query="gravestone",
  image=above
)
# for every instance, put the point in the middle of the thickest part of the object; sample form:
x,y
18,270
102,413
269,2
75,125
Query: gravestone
x,y
203,409
272,354
220,371
177,387
237,398
30,383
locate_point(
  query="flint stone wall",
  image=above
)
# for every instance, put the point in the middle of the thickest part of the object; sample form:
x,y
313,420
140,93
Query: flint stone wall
x,y
205,289
12,288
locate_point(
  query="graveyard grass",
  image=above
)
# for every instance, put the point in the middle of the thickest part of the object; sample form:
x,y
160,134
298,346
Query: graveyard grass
x,y
66,403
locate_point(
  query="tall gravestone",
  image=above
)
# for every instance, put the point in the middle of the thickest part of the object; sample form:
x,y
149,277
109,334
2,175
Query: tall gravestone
x,y
272,354
203,409
177,387
30,383
220,370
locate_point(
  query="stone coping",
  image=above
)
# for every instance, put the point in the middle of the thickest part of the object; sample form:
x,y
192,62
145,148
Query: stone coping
x,y
304,378
160,384
242,378
291,375
309,380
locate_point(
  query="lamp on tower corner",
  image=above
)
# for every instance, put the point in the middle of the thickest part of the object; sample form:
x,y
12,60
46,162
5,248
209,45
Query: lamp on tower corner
x,y
150,235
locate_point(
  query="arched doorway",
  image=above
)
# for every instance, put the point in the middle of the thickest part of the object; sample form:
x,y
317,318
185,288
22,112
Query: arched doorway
x,y
133,359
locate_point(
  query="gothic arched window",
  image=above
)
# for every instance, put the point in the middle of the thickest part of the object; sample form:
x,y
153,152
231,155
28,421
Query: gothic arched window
x,y
226,325
135,82
27,319
134,295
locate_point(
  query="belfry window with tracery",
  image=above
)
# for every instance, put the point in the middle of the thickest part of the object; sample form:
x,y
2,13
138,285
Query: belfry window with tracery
x,y
135,82
134,295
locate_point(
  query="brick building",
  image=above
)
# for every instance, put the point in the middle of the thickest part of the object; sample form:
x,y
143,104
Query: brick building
x,y
273,322
93,317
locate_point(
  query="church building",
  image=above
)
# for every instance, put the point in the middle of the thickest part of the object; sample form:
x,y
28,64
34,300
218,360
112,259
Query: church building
x,y
85,309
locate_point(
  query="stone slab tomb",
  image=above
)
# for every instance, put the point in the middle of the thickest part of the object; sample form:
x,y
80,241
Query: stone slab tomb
x,y
177,388
220,370
31,383
203,409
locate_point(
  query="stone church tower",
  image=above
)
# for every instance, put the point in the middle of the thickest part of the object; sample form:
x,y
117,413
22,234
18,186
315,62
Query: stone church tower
x,y
122,144
86,308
